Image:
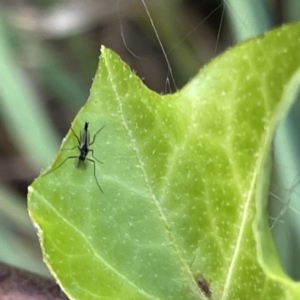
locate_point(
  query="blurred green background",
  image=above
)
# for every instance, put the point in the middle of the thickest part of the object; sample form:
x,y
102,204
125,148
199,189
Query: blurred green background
x,y
49,53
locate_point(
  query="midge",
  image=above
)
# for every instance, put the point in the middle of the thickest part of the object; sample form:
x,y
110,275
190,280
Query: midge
x,y
84,149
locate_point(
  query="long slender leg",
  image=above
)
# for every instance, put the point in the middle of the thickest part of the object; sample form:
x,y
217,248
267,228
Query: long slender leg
x,y
96,135
77,140
92,151
69,148
76,136
95,174
50,171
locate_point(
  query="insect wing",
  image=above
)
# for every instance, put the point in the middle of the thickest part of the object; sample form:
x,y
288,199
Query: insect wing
x,y
84,138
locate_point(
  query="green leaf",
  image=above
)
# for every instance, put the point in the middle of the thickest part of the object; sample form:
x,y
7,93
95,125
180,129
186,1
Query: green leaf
x,y
185,181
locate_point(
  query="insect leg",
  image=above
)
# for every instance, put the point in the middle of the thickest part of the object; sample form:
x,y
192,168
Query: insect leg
x,y
50,171
96,135
74,146
69,148
76,137
92,151
95,174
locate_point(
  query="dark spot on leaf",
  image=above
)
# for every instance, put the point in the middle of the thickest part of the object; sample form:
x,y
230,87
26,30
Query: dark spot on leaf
x,y
204,286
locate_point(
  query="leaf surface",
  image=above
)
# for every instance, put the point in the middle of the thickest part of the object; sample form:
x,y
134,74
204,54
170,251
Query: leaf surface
x,y
185,181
